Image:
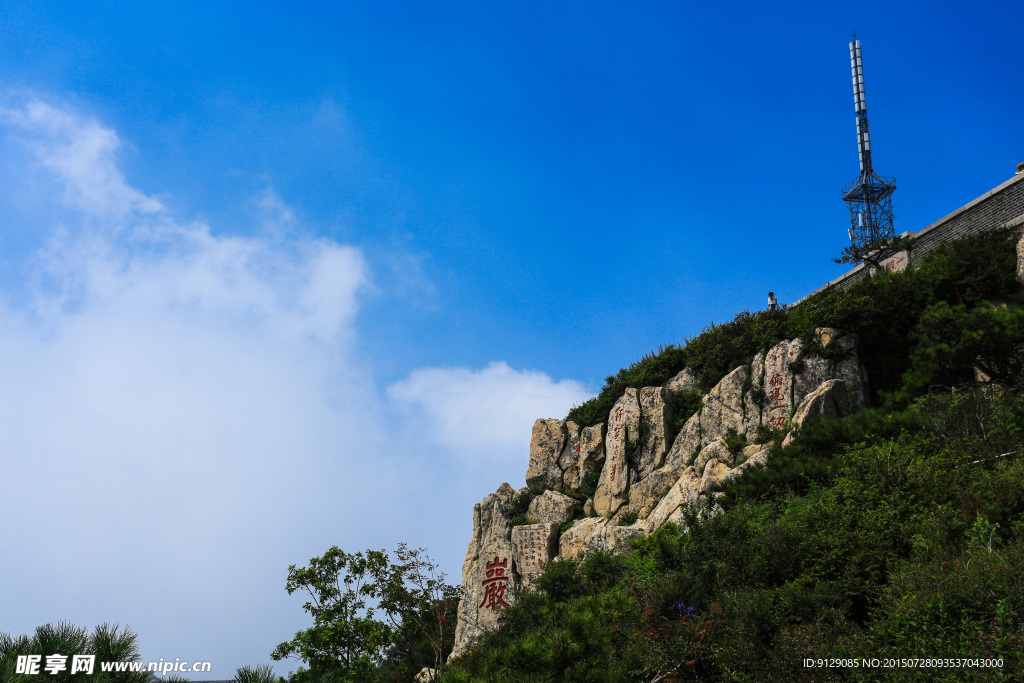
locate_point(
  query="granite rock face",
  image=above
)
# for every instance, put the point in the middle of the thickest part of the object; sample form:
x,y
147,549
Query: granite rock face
x,y
596,533
620,444
487,572
533,546
564,457
546,445
693,488
767,393
656,413
589,458
645,475
551,506
829,400
685,380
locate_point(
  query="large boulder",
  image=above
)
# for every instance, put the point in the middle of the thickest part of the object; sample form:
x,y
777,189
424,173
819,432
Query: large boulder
x,y
837,361
574,541
721,409
715,450
645,493
487,572
551,506
694,487
569,476
426,675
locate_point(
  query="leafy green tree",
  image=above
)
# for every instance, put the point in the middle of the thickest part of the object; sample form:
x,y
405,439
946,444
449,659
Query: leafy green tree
x,y
347,641
419,602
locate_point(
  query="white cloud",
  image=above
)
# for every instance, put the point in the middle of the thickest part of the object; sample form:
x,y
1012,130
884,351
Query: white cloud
x,y
80,152
492,411
184,416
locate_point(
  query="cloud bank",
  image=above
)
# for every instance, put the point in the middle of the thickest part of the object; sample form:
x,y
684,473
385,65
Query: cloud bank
x,y
184,416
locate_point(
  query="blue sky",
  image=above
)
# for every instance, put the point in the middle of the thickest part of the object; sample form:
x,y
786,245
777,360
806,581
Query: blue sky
x,y
282,276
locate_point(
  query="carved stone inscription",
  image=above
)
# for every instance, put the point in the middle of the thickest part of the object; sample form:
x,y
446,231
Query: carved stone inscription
x,y
776,415
495,584
533,546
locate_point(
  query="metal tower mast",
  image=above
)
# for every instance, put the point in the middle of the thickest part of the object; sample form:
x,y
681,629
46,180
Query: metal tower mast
x,y
870,195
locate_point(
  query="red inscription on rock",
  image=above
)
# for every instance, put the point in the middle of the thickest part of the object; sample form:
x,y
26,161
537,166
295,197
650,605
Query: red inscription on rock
x,y
495,584
776,400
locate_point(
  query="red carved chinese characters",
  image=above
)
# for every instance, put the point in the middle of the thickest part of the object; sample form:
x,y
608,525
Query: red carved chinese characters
x,y
776,401
495,584
613,456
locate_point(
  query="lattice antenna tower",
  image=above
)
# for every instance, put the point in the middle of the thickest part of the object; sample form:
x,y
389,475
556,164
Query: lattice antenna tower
x,y
870,195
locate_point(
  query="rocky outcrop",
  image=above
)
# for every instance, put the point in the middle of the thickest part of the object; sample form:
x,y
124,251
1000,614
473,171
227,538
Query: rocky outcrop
x,y
694,485
648,476
563,457
767,393
546,445
644,494
639,433
487,571
596,533
589,459
686,380
619,447
551,506
830,400
656,413
426,675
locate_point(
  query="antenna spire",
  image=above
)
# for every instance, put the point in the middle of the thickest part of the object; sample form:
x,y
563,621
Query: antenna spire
x,y
869,196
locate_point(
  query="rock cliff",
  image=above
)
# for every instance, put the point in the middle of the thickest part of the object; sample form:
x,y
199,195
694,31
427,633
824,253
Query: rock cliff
x,y
645,475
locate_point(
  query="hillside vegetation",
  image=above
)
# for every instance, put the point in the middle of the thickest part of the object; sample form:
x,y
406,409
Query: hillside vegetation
x,y
894,533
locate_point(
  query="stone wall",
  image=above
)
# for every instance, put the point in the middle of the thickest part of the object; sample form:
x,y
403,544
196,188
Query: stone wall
x,y
1002,205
